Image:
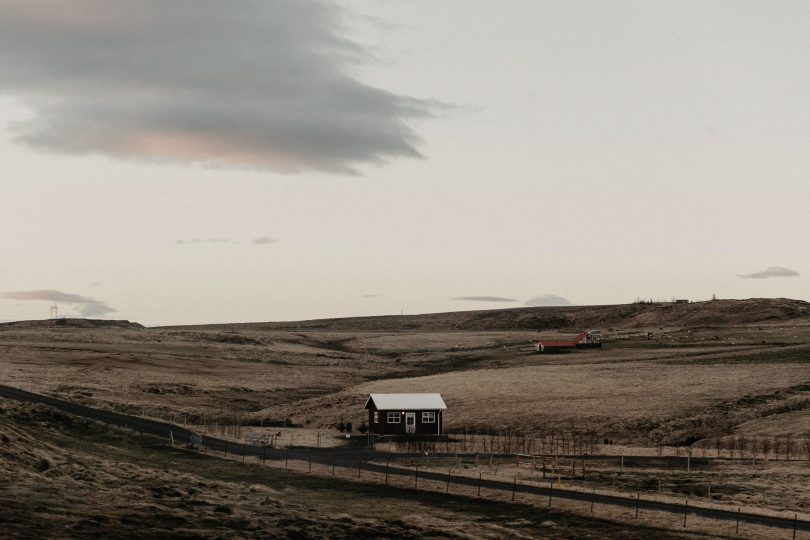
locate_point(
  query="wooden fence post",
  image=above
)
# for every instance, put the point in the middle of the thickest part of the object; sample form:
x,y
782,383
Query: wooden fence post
x,y
737,529
685,511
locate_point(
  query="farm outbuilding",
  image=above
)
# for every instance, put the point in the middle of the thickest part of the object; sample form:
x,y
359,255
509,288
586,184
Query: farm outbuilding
x,y
405,414
584,340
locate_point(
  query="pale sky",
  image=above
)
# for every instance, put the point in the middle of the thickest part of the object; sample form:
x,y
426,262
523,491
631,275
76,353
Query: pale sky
x,y
197,161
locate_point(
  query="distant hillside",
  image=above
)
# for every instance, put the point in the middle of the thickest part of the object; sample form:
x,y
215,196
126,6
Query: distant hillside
x,y
69,323
639,315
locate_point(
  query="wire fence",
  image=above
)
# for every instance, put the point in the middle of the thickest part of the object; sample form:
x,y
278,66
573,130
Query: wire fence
x,y
369,468
447,475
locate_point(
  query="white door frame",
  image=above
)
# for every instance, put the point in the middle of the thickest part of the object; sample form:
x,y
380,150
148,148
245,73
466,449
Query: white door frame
x,y
410,427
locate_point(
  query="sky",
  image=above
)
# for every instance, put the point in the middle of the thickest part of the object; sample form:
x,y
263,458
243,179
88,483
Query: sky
x,y
201,161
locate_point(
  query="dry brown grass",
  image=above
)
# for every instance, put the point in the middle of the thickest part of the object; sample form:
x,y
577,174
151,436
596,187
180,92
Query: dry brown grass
x,y
673,384
67,478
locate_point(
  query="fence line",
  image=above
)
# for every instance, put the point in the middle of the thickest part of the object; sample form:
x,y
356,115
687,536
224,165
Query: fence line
x,y
348,460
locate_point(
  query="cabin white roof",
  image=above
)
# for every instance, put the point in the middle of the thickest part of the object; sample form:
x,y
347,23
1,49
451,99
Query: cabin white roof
x,y
390,402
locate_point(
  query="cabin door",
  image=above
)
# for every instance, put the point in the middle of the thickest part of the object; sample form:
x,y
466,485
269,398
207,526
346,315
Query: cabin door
x,y
410,422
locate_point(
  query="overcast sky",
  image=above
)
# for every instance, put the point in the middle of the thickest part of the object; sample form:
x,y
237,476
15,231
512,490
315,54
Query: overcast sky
x,y
200,161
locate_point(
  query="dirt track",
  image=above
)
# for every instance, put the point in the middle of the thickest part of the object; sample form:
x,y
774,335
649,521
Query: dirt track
x,y
358,458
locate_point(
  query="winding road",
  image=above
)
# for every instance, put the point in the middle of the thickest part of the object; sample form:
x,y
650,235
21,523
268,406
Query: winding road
x,y
362,458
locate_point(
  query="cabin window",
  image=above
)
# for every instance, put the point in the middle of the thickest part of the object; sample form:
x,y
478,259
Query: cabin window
x,y
376,417
393,418
429,417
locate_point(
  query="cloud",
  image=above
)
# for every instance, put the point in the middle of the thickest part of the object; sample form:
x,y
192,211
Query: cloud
x,y
88,307
773,271
263,240
484,299
371,295
547,300
206,241
269,85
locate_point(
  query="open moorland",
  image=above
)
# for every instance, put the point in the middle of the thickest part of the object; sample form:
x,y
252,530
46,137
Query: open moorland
x,y
668,373
721,376
66,477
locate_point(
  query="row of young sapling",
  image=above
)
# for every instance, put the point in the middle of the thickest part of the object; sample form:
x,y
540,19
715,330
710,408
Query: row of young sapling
x,y
555,443
235,425
778,447
228,425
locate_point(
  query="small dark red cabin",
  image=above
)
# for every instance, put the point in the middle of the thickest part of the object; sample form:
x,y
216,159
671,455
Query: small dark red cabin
x,y
405,414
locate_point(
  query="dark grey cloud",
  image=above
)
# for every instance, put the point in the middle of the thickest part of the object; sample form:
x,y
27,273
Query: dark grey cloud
x,y
206,241
263,240
84,305
773,271
547,300
267,85
484,299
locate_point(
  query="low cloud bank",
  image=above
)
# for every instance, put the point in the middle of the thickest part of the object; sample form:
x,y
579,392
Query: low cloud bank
x,y
483,299
263,240
547,300
205,241
259,241
84,305
773,271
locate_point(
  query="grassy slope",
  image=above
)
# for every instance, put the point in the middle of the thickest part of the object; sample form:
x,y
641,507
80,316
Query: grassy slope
x,y
739,364
577,318
63,477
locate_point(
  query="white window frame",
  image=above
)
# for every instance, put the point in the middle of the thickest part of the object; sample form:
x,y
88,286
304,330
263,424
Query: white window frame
x,y
428,417
376,417
393,417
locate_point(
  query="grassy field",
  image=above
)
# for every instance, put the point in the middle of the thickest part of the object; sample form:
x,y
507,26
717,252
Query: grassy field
x,y
63,477
660,384
668,375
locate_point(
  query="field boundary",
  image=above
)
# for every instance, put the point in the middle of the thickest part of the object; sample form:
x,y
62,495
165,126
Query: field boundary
x,y
363,459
